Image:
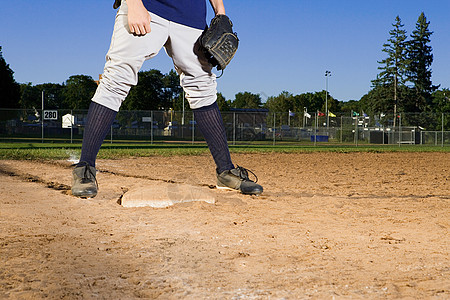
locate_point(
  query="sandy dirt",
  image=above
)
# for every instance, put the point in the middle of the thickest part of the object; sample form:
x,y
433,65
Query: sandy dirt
x,y
329,225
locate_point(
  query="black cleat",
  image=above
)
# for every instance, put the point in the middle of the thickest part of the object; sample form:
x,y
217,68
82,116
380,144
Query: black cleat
x,y
84,183
237,179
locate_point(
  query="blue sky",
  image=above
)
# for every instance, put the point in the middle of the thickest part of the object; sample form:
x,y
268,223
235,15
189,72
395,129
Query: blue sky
x,y
284,45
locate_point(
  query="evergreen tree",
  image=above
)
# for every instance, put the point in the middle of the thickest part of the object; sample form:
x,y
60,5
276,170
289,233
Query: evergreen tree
x,y
379,100
419,69
9,88
393,67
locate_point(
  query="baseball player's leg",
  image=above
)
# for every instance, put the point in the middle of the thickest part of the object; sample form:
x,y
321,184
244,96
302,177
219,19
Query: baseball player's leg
x,y
210,123
199,83
123,62
125,57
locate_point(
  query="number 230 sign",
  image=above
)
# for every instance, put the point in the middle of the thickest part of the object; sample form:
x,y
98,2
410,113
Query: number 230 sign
x,y
50,115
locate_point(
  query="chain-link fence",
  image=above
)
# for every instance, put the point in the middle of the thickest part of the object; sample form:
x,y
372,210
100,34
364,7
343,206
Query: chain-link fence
x,y
242,127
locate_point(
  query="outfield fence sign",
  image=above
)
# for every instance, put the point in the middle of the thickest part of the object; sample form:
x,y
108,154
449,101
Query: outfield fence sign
x,y
50,115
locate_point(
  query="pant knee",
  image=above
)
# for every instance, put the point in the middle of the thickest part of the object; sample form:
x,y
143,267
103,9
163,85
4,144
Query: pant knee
x,y
200,91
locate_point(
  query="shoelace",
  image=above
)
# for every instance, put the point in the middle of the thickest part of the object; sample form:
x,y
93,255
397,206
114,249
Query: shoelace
x,y
243,173
87,172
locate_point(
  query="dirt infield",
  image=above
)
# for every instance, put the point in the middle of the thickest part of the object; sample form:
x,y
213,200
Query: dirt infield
x,y
329,225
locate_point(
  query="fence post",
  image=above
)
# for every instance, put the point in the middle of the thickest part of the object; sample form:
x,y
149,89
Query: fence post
x,y
442,142
151,127
71,126
193,128
234,128
274,129
315,128
42,119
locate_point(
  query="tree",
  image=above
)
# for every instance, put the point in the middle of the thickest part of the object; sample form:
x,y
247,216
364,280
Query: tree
x,y
393,67
178,103
419,68
149,93
284,102
441,101
172,90
349,106
53,95
377,100
333,104
9,88
313,102
247,100
224,104
300,103
78,91
30,96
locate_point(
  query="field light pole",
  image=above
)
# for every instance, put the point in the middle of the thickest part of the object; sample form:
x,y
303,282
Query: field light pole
x,y
327,74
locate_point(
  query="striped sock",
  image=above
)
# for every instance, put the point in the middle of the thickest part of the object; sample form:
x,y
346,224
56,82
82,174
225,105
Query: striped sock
x,y
98,124
210,122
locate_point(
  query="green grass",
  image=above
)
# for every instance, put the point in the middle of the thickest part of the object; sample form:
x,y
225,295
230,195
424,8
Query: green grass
x,y
55,151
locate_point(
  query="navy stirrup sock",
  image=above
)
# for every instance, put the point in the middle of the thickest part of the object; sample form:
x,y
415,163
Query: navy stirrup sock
x,y
98,124
210,122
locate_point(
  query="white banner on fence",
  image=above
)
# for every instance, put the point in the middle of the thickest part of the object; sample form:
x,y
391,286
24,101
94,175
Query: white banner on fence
x,y
68,121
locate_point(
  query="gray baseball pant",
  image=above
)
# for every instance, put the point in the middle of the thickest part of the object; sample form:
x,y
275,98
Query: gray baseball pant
x,y
128,52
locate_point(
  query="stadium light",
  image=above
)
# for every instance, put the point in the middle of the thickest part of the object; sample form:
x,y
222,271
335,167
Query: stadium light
x,y
327,74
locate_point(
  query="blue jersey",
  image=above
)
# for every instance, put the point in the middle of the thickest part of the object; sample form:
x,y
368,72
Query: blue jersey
x,y
191,13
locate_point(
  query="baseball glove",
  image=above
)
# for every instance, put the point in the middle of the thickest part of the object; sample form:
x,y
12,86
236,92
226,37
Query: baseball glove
x,y
117,4
219,41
